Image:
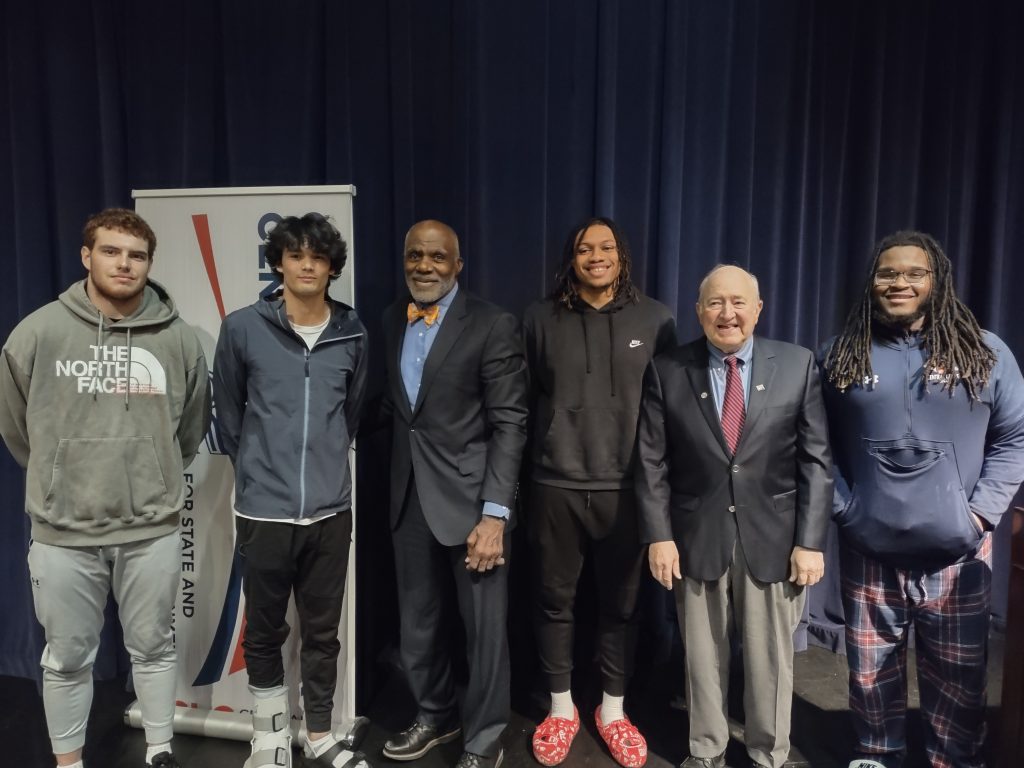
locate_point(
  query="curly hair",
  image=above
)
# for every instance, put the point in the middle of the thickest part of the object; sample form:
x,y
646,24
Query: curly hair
x,y
313,231
122,220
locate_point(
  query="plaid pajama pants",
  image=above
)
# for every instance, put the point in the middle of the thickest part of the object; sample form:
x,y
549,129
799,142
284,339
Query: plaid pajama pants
x,y
949,611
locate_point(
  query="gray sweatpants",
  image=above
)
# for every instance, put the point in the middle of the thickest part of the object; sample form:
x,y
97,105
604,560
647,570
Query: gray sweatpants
x,y
69,587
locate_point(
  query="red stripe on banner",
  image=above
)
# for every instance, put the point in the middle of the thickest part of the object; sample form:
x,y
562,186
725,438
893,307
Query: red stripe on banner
x,y
202,227
238,659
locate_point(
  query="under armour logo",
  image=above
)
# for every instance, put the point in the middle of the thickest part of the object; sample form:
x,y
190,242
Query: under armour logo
x,y
634,343
870,381
36,582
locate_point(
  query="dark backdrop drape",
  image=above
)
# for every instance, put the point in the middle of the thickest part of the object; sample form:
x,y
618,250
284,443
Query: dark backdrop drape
x,y
784,136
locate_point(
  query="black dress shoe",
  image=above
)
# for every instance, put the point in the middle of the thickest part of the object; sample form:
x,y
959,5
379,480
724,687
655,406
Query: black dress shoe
x,y
470,760
418,739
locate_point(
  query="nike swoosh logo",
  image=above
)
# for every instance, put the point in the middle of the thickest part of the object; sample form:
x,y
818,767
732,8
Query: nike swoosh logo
x,y
635,343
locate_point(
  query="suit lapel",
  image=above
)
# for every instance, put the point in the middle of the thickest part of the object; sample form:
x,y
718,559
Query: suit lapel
x,y
697,370
451,327
396,329
762,373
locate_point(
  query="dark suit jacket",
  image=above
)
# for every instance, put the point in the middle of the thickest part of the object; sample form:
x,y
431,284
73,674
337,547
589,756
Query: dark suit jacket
x,y
774,494
463,439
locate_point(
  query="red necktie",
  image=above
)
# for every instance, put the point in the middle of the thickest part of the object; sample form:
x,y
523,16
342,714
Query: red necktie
x,y
429,314
734,412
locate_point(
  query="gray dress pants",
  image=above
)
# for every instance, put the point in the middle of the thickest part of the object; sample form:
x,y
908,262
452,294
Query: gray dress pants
x,y
765,617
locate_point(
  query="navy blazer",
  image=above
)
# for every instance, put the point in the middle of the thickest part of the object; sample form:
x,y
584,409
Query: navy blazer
x,y
776,492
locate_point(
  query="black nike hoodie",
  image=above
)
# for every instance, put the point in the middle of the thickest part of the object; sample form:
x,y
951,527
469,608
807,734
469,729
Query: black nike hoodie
x,y
586,369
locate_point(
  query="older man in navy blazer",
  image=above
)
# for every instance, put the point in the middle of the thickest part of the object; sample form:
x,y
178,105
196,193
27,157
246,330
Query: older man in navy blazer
x,y
735,490
457,398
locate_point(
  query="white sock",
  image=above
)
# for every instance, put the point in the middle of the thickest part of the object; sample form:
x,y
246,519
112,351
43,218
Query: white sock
x,y
318,746
152,750
561,705
611,708
324,743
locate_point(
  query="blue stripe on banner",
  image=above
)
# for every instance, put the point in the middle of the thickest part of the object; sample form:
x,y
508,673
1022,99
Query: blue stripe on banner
x,y
221,645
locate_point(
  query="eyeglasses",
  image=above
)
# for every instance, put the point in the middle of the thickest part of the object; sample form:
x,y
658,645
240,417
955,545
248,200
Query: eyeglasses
x,y
912,276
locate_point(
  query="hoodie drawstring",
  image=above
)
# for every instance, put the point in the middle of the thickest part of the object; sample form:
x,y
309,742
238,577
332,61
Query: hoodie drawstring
x,y
611,352
586,341
99,343
611,347
128,378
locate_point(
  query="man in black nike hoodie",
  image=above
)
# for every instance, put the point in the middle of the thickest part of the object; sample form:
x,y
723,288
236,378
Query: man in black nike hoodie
x,y
587,346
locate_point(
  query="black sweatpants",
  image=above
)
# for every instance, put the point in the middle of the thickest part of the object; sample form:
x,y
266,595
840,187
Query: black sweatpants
x,y
312,560
563,525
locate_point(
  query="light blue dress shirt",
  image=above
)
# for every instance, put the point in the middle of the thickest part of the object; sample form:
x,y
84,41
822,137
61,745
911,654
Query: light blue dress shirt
x,y
717,370
415,347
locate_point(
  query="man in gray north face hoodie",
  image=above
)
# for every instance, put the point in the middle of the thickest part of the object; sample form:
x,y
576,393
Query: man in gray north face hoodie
x,y
104,401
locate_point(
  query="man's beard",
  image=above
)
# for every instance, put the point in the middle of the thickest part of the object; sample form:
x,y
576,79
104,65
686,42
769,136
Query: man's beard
x,y
434,293
899,323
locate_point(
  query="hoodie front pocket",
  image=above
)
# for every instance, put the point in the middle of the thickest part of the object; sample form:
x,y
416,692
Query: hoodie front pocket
x,y
100,480
590,443
912,505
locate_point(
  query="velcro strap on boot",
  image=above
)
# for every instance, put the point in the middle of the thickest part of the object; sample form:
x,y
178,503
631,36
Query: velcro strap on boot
x,y
277,757
338,756
272,724
271,750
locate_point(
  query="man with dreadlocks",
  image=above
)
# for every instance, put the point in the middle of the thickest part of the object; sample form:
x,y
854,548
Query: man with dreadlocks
x,y
926,414
587,346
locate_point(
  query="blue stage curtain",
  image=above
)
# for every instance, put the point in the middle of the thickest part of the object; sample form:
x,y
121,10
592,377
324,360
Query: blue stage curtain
x,y
785,136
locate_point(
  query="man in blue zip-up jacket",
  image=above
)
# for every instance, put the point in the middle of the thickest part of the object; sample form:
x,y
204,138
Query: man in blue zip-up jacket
x,y
926,416
289,378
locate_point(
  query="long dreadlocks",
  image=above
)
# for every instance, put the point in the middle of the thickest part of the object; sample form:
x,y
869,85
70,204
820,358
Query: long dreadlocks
x,y
951,333
566,289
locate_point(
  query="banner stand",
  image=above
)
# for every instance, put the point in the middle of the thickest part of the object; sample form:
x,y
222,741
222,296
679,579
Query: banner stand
x,y
211,258
238,727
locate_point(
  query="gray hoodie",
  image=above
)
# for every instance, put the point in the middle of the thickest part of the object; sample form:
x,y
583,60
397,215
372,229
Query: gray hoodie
x,y
104,416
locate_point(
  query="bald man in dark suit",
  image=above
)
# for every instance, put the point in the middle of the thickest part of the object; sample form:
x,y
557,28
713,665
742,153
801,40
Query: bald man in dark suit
x,y
457,396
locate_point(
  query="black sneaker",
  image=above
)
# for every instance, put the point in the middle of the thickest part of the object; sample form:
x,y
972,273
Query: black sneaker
x,y
163,760
704,762
471,760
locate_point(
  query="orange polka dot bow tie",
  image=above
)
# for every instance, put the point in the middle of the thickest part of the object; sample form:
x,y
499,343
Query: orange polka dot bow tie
x,y
429,315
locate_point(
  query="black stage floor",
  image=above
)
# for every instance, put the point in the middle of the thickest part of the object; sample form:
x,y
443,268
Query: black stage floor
x,y
821,731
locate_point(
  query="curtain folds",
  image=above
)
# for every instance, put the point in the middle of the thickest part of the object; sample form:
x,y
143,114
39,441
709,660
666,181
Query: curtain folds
x,y
786,137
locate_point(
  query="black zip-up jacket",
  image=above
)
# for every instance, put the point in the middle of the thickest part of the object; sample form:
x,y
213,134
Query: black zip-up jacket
x,y
286,414
586,370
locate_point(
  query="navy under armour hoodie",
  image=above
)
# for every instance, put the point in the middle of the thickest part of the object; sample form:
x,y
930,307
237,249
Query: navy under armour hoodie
x,y
914,462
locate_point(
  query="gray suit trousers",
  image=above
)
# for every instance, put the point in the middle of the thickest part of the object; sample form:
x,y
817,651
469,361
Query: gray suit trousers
x,y
765,617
